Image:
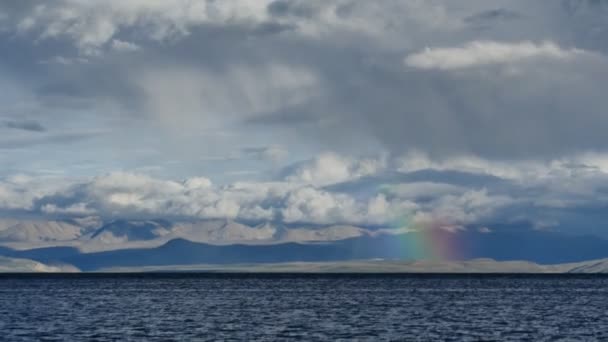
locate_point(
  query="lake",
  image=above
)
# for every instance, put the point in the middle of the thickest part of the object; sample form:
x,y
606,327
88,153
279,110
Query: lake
x,y
275,307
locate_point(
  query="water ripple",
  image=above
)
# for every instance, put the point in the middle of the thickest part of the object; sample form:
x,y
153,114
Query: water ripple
x,y
201,308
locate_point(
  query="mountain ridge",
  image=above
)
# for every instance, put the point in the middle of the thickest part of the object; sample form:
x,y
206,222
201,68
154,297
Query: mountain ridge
x,y
146,243
122,234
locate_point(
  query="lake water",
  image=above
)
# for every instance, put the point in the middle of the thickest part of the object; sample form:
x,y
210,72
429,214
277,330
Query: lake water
x,y
309,307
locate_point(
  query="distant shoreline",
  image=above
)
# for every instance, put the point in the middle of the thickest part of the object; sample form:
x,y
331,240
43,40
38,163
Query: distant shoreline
x,y
283,275
474,266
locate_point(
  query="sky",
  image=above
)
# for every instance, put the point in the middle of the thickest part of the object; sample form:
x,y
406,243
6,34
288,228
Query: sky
x,y
442,113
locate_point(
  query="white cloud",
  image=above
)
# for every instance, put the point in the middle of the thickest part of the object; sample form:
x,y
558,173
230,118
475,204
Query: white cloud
x,y
12,198
552,185
308,203
479,53
197,183
78,209
123,46
520,169
19,192
469,207
331,168
92,24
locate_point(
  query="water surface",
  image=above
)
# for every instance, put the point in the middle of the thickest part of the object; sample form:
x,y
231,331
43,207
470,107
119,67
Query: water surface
x,y
310,307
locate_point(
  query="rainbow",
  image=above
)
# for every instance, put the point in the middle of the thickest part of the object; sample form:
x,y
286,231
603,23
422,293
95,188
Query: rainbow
x,y
430,241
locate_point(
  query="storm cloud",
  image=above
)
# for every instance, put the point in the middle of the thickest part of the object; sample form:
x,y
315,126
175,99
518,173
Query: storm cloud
x,y
278,104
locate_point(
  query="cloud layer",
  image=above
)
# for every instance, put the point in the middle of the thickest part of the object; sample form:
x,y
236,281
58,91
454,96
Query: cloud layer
x,y
525,79
480,53
472,112
401,193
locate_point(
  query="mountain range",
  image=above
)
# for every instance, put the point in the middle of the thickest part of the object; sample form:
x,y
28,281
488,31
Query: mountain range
x,y
121,234
92,245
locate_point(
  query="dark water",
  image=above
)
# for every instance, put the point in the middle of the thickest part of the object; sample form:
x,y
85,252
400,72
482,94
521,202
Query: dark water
x,y
285,307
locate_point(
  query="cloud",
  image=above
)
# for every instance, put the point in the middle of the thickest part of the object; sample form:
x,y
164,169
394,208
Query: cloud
x,y
131,195
61,60
328,71
469,207
331,168
209,97
480,53
25,125
507,103
423,190
137,196
273,153
20,191
91,25
556,194
198,183
56,138
309,205
123,46
489,16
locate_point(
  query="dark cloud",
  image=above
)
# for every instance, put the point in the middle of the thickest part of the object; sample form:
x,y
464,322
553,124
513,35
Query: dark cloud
x,y
51,139
575,7
25,125
292,8
492,16
272,28
328,75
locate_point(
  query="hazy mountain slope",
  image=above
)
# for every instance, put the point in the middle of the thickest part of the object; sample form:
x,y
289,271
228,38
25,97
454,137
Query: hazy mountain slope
x,y
40,231
222,232
331,233
25,265
123,234
122,231
593,266
7,223
229,232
